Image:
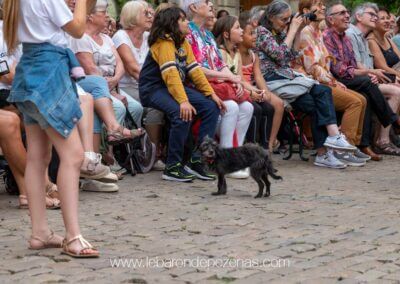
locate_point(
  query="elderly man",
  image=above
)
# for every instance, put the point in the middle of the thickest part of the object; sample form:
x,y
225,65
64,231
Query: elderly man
x,y
363,22
345,69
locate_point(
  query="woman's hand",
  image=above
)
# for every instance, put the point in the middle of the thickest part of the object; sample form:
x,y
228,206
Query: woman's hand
x,y
239,89
112,82
234,78
120,98
342,86
187,111
296,23
219,102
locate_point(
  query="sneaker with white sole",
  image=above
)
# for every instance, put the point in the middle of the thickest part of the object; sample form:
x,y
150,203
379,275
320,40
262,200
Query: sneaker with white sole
x,y
349,159
159,166
361,155
339,142
97,186
109,178
328,160
93,169
241,174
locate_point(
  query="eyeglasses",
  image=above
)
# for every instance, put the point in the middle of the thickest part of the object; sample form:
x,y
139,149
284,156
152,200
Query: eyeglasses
x,y
148,13
373,15
340,13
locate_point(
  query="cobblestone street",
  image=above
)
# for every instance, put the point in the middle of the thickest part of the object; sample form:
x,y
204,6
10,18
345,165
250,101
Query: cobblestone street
x,y
318,226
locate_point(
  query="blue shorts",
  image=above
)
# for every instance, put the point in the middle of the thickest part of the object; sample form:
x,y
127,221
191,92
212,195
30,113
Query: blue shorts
x,y
31,114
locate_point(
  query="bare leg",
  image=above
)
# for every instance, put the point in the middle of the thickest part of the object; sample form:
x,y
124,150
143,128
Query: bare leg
x,y
13,149
38,158
70,151
85,125
105,111
277,103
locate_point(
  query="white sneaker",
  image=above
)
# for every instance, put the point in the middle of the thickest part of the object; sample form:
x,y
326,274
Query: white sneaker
x,y
97,186
159,166
349,159
339,142
328,160
109,178
241,174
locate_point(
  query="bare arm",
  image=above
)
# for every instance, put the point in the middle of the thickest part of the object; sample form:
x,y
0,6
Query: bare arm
x,y
130,64
379,59
76,27
87,62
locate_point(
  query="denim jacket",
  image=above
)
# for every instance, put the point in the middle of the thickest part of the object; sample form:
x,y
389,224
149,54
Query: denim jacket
x,y
42,77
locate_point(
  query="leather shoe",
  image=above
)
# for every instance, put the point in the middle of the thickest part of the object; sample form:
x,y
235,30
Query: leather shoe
x,y
374,156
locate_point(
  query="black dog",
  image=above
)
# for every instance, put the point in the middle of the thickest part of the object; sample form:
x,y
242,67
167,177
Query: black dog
x,y
225,161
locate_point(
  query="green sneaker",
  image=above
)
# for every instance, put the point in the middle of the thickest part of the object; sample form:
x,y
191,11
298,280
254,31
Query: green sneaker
x,y
196,168
177,173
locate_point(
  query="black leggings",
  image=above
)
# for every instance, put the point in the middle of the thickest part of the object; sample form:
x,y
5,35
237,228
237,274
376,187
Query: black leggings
x,y
261,124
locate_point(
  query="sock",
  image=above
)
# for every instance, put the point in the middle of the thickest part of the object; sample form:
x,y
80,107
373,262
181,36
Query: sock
x,y
91,155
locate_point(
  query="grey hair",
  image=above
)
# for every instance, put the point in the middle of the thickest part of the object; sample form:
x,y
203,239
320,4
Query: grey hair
x,y
256,13
329,11
360,9
273,9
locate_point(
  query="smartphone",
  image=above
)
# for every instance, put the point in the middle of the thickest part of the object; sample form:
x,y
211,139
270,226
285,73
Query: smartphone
x,y
4,69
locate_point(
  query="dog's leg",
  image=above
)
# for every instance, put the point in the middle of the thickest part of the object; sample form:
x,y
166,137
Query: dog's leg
x,y
256,176
221,185
267,184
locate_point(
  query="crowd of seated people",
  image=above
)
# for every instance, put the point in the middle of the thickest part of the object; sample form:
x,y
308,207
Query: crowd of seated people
x,y
314,61
190,71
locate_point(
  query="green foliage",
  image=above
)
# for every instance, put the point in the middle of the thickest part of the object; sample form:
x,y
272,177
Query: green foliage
x,y
392,6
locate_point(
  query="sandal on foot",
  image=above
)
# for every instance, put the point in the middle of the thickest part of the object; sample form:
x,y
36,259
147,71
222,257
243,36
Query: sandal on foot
x,y
45,243
23,202
80,254
51,188
387,149
118,137
52,203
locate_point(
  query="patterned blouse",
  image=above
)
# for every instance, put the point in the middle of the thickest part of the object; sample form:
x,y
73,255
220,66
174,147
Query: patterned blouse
x,y
275,56
205,48
339,46
315,56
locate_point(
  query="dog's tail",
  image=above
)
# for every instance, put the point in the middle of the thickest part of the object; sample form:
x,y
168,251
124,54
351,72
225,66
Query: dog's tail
x,y
270,168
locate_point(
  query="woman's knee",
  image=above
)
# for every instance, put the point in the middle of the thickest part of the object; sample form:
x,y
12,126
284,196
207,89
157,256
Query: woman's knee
x,y
277,103
246,108
9,125
232,108
87,100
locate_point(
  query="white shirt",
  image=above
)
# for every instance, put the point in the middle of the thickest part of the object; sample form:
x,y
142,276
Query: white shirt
x,y
120,38
42,21
11,59
103,55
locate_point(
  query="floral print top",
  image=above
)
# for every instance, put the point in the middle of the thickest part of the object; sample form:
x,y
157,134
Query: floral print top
x,y
275,56
315,57
205,48
340,47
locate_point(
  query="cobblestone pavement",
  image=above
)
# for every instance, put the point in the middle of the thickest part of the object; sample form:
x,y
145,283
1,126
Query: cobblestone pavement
x,y
318,226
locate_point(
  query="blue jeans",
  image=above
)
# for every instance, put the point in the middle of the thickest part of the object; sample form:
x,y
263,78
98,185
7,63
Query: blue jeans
x,y
318,103
206,109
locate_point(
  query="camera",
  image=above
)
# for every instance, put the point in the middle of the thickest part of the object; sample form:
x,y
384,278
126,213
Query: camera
x,y
310,16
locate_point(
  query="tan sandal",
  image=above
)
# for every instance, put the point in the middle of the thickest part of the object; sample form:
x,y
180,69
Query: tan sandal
x,y
23,202
85,244
45,243
118,137
50,189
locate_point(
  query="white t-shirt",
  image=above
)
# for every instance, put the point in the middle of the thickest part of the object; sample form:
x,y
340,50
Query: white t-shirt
x,y
41,21
103,54
120,38
11,59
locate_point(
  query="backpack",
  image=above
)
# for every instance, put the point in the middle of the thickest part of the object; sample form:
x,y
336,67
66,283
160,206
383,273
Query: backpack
x,y
138,155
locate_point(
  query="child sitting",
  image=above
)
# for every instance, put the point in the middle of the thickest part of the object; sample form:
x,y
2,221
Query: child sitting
x,y
162,86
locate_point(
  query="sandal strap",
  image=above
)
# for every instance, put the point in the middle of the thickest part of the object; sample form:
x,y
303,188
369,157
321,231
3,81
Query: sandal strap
x,y
50,188
85,244
44,242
